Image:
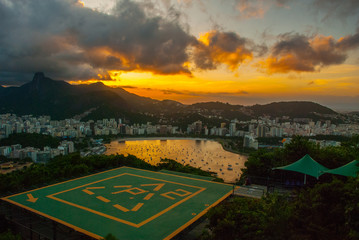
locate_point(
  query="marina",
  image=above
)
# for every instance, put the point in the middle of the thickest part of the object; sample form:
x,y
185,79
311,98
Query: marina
x,y
205,154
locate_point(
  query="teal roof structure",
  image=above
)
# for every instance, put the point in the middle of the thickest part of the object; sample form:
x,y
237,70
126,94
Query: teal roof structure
x,y
349,170
305,165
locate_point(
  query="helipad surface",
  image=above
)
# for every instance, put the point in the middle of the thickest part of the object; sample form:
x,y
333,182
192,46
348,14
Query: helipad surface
x,y
126,202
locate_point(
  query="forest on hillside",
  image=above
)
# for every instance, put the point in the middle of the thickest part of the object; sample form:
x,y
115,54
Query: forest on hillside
x,y
325,209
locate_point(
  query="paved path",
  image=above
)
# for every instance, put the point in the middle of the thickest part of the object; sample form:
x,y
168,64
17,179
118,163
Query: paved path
x,y
252,191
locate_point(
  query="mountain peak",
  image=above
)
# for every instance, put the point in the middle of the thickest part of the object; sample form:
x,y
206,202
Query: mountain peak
x,y
42,83
98,84
39,81
38,76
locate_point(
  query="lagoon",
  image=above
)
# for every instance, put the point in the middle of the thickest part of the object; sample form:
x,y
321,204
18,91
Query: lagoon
x,y
203,153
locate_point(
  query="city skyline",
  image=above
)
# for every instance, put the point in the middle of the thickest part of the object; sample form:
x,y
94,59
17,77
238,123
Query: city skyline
x,y
238,51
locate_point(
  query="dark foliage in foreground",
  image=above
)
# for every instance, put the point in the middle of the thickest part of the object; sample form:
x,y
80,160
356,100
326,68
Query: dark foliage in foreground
x,y
31,140
261,162
328,211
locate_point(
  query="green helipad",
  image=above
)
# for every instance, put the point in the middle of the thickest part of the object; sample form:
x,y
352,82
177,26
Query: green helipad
x,y
126,202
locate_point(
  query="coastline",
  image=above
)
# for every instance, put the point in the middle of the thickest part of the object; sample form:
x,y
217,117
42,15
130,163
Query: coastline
x,y
226,164
220,141
230,149
161,138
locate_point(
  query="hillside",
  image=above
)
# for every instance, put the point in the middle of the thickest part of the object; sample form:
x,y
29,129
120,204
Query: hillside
x,y
291,109
44,96
60,100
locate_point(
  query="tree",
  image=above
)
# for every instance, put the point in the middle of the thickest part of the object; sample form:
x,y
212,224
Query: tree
x,y
261,162
31,140
110,237
298,148
251,219
9,236
328,211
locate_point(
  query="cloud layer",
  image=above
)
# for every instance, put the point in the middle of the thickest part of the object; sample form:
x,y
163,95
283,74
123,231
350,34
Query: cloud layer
x,y
69,41
62,38
215,48
258,8
299,53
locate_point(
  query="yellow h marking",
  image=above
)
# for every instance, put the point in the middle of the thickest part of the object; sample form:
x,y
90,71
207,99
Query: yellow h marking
x,y
123,186
148,196
103,199
140,191
52,196
159,185
138,206
121,208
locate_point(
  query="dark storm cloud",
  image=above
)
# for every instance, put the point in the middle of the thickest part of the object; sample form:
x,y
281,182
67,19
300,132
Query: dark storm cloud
x,y
349,42
14,79
296,52
68,41
215,48
202,58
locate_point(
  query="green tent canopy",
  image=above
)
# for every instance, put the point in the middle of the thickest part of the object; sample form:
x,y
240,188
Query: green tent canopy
x,y
305,165
350,170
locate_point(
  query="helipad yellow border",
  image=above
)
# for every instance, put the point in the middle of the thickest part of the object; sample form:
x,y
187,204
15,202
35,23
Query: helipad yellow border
x,y
52,196
96,236
198,216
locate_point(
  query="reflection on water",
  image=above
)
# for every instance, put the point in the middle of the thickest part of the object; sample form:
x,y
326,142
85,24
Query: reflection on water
x,y
206,154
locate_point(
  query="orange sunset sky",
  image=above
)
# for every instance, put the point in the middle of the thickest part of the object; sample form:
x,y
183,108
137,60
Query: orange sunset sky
x,y
236,51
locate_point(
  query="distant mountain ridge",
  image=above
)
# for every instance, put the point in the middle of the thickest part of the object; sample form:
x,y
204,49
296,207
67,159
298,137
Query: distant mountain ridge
x,y
60,100
291,109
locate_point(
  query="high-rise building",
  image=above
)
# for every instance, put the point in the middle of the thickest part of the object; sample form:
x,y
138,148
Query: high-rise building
x,y
205,130
7,129
92,127
68,145
163,129
122,129
19,128
250,128
261,131
197,127
232,129
276,132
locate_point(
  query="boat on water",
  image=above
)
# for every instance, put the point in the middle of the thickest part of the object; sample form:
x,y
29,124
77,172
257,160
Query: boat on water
x,y
186,154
